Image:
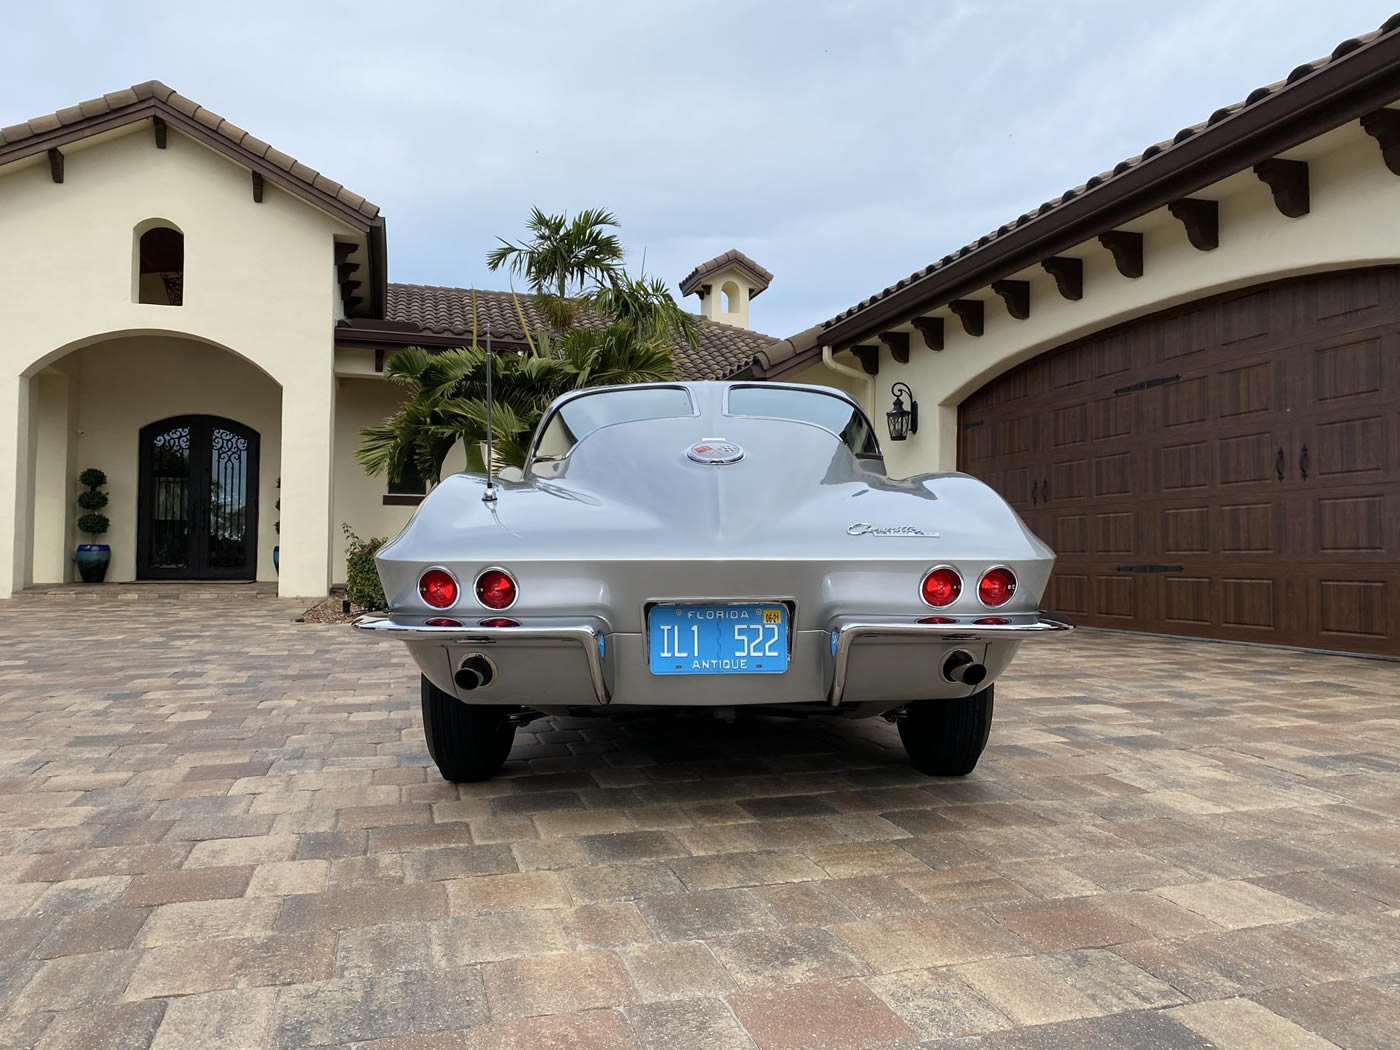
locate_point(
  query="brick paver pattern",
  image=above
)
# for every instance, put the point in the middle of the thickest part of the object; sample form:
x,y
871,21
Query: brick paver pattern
x,y
219,828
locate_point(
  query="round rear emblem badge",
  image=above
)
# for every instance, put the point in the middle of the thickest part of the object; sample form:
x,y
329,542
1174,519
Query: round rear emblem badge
x,y
715,450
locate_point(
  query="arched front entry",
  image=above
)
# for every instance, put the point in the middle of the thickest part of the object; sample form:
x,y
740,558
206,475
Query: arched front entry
x,y
197,517
1228,469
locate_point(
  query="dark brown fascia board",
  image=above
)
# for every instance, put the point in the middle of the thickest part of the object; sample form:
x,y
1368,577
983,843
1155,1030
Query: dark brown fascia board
x,y
377,248
1339,92
149,108
359,336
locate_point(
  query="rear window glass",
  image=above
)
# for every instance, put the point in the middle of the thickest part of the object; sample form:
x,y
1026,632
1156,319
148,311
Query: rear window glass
x,y
807,406
579,417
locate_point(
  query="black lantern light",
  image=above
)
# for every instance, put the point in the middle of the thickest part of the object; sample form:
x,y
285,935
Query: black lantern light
x,y
903,421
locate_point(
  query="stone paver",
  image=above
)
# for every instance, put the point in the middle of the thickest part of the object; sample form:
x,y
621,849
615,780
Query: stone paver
x,y
231,835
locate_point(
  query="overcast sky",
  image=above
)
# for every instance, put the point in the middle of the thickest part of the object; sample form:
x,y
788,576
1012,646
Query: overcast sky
x,y
840,143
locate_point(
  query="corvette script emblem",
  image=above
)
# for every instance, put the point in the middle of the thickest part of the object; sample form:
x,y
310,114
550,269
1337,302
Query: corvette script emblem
x,y
864,528
716,451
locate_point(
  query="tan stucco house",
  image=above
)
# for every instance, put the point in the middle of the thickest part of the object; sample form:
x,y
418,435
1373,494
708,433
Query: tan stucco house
x,y
206,319
1184,373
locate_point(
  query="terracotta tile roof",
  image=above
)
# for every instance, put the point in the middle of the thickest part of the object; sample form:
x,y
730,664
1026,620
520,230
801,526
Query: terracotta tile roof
x,y
152,98
1106,178
759,277
722,349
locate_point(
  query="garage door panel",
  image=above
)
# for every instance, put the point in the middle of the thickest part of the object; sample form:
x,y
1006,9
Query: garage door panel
x,y
1168,466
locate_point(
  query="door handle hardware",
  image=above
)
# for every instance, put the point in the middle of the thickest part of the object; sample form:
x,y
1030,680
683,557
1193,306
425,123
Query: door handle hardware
x,y
1045,490
1278,463
1303,463
1034,500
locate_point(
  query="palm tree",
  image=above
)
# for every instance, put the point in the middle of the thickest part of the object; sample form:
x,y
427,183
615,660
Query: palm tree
x,y
563,255
636,324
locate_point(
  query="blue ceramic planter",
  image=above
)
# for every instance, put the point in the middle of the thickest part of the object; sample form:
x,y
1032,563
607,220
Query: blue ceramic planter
x,y
276,559
92,559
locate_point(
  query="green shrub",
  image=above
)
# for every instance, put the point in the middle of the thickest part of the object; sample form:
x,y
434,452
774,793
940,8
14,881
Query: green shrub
x,y
362,584
93,500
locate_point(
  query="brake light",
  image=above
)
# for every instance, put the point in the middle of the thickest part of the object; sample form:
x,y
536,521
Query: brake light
x,y
992,621
438,588
996,587
499,621
495,589
443,621
938,619
941,587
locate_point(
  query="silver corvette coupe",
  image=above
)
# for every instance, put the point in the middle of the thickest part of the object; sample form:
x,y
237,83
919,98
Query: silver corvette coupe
x,y
711,545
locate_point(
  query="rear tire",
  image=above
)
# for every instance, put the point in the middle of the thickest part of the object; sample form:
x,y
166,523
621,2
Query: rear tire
x,y
945,738
467,742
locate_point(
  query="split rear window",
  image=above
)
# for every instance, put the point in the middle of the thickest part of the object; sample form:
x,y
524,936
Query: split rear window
x,y
827,411
580,416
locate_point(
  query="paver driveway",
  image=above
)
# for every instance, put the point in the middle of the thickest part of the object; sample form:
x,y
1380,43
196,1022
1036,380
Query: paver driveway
x,y
217,829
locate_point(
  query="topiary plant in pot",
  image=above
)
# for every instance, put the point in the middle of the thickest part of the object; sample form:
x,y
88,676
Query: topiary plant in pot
x,y
93,558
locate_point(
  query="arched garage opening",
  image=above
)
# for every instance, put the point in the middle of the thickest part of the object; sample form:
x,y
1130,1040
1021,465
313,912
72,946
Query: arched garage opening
x,y
1227,469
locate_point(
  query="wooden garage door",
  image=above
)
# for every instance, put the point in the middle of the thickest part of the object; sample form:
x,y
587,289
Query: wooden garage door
x,y
1230,469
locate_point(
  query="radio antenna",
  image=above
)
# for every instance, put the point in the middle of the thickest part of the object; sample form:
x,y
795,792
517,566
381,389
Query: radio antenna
x,y
489,496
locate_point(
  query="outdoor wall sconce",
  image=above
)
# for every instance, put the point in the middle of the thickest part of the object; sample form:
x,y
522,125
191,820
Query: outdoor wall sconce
x,y
903,421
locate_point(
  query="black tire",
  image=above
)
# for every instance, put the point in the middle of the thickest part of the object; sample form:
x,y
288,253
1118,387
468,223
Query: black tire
x,y
945,738
467,742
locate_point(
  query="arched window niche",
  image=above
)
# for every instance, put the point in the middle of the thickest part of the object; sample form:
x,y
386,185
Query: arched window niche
x,y
158,264
730,291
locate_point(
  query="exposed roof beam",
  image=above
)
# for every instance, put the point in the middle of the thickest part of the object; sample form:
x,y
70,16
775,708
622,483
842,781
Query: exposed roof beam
x,y
344,270
898,342
931,328
1126,248
1288,181
257,187
1016,295
1201,219
343,251
1068,273
869,358
56,164
159,124
1384,126
970,313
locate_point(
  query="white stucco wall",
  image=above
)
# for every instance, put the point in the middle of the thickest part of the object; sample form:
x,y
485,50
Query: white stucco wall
x,y
359,498
1354,219
258,282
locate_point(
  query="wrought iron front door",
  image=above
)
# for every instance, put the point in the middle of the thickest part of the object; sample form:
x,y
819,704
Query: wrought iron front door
x,y
198,516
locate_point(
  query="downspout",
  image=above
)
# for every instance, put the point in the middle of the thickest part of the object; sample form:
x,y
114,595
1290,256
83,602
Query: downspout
x,y
868,382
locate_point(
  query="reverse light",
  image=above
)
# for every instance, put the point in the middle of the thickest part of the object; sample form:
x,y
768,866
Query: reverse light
x,y
996,586
495,589
438,588
941,587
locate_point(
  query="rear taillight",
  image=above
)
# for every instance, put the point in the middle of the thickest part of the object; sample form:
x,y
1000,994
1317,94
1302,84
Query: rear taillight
x,y
941,587
938,619
443,621
499,621
495,589
996,587
438,588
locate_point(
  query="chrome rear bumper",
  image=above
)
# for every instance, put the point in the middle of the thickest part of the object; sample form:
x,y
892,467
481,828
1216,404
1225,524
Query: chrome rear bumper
x,y
580,661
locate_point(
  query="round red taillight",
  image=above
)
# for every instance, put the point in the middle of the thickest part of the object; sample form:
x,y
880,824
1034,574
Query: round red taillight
x,y
996,587
941,587
438,588
495,589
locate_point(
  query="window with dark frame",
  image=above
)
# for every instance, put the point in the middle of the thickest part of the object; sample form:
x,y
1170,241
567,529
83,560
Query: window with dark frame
x,y
410,483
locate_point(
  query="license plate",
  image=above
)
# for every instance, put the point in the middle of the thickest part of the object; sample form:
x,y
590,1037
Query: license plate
x,y
747,638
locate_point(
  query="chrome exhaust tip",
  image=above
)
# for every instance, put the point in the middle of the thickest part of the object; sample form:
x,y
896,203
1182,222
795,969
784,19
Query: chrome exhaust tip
x,y
476,672
961,668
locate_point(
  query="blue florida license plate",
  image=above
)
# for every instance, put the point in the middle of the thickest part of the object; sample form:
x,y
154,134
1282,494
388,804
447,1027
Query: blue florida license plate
x,y
747,638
